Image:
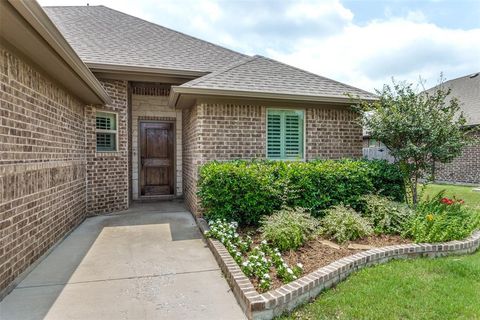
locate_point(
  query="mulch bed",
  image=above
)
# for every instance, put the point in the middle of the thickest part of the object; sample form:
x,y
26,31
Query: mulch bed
x,y
314,254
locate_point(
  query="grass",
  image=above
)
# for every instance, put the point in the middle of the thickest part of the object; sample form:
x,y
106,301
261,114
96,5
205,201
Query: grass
x,y
471,198
443,288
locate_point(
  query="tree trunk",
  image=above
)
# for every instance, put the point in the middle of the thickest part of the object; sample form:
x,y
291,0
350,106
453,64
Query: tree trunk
x,y
414,191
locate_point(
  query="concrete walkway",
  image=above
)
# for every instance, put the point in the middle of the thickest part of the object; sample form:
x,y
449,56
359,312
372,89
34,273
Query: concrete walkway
x,y
149,262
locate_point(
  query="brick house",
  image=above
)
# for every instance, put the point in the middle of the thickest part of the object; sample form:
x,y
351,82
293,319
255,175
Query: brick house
x,y
466,167
99,108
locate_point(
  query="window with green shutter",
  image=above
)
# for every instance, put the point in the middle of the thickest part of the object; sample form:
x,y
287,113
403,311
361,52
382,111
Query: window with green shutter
x,y
285,134
106,131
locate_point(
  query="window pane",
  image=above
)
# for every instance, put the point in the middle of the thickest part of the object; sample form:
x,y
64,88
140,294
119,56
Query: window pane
x,y
106,121
106,141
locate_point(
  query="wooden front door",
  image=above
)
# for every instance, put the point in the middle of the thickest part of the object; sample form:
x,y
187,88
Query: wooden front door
x,y
156,158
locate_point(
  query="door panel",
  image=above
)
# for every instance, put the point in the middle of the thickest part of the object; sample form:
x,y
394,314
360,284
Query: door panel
x,y
156,158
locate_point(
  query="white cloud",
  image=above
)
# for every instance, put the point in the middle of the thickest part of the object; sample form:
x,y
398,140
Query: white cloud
x,y
319,36
368,56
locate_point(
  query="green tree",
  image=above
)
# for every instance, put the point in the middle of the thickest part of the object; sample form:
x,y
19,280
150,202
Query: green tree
x,y
419,129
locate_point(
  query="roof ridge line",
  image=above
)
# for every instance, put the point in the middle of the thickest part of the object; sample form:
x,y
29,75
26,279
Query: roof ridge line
x,y
218,72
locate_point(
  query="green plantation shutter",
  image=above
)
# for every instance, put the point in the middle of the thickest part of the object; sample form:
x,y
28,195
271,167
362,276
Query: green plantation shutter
x,y
106,131
285,134
274,135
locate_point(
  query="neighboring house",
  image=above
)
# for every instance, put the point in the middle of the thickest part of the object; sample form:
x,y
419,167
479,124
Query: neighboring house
x,y
466,167
109,108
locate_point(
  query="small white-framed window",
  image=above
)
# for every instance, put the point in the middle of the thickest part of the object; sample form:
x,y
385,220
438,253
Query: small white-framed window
x,y
285,134
106,131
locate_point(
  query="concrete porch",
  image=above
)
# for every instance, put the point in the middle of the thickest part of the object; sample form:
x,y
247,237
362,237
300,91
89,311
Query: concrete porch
x,y
149,262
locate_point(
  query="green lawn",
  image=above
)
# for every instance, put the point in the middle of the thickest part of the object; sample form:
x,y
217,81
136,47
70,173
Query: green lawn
x,y
466,193
443,288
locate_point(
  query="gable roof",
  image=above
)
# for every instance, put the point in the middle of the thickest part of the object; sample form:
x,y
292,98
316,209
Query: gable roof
x,y
260,75
101,35
467,90
107,39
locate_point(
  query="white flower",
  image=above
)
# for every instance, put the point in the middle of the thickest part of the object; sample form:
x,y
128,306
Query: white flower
x,y
238,253
289,271
245,264
264,241
300,265
266,276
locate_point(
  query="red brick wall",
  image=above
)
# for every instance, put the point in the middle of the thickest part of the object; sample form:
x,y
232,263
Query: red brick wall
x,y
42,165
107,172
463,169
227,131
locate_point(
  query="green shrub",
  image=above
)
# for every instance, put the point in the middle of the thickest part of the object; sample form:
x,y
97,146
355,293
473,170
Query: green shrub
x,y
343,224
239,190
387,216
387,179
442,219
288,228
245,191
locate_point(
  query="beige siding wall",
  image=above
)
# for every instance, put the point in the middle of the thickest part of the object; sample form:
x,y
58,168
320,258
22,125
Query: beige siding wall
x,y
227,131
42,165
155,108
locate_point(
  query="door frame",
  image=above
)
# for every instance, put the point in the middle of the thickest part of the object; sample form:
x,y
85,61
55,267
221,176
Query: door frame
x,y
139,162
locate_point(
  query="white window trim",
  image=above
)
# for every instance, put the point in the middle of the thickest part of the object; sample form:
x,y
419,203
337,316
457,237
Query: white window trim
x,y
304,132
106,131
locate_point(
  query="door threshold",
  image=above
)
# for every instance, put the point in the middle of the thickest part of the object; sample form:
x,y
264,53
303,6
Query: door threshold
x,y
156,198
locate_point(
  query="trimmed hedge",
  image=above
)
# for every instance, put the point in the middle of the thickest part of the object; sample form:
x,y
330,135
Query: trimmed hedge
x,y
245,191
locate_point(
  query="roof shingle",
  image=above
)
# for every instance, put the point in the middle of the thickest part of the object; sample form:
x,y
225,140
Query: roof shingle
x,y
101,35
260,74
106,36
467,90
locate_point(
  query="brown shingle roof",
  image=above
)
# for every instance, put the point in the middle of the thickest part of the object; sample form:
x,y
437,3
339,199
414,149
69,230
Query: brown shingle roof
x,y
101,35
260,74
106,36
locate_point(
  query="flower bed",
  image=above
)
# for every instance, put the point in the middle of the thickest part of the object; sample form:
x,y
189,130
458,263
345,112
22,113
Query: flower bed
x,y
319,252
276,301
302,227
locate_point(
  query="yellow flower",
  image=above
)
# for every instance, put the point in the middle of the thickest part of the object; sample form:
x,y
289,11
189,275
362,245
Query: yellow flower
x,y
430,217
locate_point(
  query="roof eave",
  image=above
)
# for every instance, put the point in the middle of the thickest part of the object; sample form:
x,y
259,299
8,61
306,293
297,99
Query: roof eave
x,y
39,21
177,91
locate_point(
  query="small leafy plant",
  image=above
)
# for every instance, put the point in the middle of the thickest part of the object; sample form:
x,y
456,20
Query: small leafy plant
x,y
343,224
288,228
256,263
387,216
442,219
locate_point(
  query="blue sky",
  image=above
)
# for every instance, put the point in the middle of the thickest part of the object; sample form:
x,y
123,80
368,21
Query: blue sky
x,y
360,42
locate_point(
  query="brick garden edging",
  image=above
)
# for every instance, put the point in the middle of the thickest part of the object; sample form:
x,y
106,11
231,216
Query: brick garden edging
x,y
273,303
